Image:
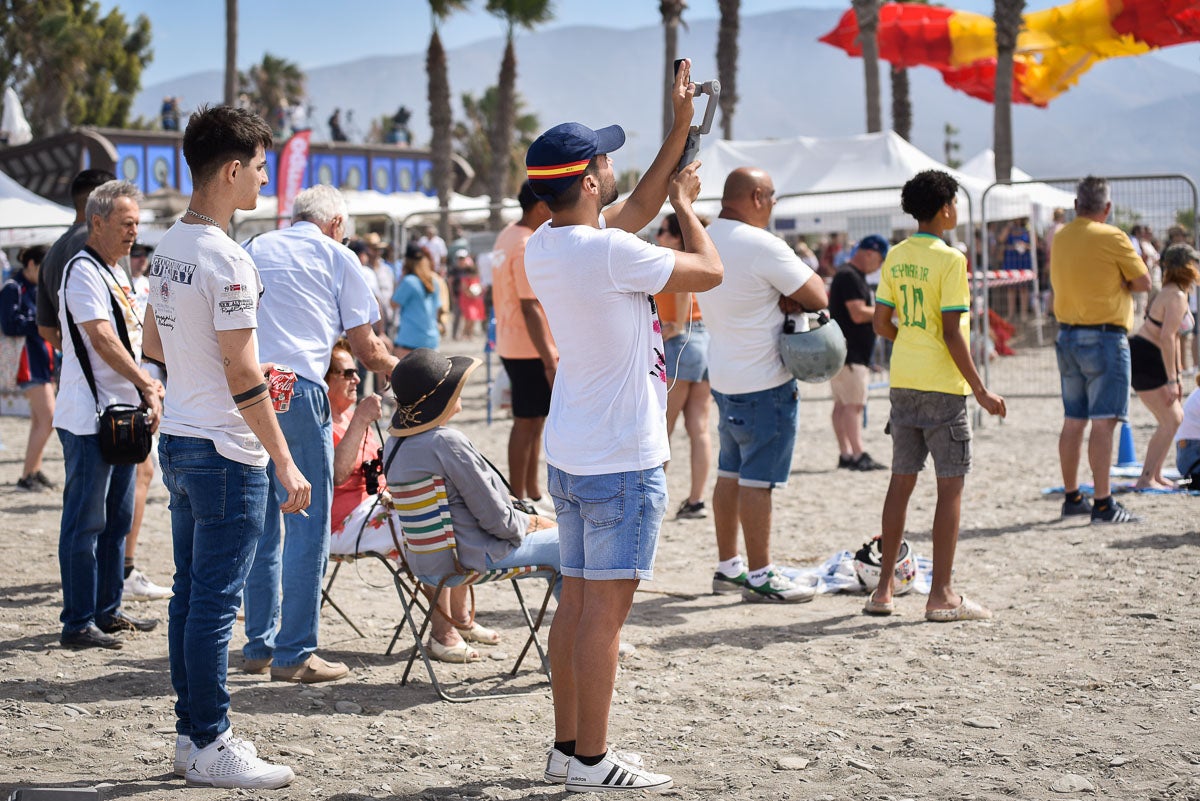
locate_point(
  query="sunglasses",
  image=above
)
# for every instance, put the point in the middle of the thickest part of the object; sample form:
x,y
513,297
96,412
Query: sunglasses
x,y
348,374
663,231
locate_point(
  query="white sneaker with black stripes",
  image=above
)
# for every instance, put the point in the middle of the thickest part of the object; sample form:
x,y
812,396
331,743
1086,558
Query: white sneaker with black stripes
x,y
557,764
612,773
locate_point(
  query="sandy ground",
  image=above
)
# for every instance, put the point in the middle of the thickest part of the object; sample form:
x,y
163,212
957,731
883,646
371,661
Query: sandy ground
x,y
1084,686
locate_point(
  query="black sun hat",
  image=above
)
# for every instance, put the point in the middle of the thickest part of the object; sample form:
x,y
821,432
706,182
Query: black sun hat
x,y
425,385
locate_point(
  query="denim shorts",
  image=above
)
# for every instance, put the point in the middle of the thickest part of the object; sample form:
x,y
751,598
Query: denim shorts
x,y
929,423
757,434
608,524
687,355
1094,368
1187,457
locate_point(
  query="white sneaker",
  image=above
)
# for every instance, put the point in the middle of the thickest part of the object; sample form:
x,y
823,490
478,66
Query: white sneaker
x,y
612,773
230,762
557,763
183,749
140,588
778,588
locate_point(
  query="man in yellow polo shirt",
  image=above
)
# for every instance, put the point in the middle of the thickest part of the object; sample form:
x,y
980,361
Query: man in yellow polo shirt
x,y
1094,272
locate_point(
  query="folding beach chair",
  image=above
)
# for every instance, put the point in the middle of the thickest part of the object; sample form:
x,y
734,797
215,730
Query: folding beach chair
x,y
423,510
389,557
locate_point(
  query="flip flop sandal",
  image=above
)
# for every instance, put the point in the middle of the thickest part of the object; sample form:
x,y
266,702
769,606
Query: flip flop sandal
x,y
879,608
967,610
478,634
459,653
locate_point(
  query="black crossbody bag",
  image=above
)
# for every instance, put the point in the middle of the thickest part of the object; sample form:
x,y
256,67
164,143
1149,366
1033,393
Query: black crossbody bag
x,y
125,436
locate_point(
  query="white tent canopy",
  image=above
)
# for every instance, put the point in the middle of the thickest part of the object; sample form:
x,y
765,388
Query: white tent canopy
x,y
27,218
831,175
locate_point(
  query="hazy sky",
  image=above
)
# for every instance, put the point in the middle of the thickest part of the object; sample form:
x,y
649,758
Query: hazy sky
x,y
190,36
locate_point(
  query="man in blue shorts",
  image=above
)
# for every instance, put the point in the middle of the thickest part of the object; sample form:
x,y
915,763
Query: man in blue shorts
x,y
1094,272
757,398
606,438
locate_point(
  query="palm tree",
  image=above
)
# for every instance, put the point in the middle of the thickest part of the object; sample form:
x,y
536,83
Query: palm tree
x,y
231,32
901,103
867,12
727,55
525,14
440,120
272,86
672,17
1007,16
472,138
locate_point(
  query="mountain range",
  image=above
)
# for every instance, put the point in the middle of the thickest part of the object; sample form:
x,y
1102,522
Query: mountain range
x,y
1126,116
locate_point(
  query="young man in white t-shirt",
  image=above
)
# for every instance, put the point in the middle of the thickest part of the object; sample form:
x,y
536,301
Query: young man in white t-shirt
x,y
218,431
606,437
757,398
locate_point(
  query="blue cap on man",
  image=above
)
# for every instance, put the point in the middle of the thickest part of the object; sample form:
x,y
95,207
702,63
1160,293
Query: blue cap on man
x,y
874,242
558,158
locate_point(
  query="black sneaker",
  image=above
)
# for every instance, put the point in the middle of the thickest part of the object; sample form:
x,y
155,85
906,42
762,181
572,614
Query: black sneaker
x,y
845,462
29,484
91,637
1113,513
1080,507
691,511
40,478
123,622
865,463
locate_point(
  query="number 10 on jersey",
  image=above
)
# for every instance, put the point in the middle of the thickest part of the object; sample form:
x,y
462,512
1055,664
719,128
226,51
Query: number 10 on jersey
x,y
912,306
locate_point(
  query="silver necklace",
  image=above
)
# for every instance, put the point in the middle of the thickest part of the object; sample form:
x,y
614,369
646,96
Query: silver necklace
x,y
197,214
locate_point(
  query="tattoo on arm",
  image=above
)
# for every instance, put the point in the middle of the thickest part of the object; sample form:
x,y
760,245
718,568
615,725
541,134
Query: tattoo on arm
x,y
226,361
251,396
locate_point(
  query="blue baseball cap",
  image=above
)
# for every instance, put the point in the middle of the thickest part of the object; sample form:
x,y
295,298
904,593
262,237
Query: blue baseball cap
x,y
874,242
558,158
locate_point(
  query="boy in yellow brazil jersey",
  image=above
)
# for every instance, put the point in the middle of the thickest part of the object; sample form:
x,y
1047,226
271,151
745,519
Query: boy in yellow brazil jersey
x,y
923,305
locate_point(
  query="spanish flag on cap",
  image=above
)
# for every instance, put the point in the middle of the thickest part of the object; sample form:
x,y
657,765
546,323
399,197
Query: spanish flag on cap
x,y
560,156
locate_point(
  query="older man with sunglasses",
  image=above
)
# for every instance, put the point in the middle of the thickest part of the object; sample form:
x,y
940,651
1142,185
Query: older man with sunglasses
x,y
313,291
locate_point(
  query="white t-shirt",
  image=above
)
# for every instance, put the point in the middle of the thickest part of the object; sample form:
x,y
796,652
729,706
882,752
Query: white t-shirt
x,y
314,290
437,250
742,314
1190,427
608,407
202,282
141,295
87,290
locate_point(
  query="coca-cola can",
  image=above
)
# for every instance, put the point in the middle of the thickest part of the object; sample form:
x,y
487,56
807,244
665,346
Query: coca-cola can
x,y
280,382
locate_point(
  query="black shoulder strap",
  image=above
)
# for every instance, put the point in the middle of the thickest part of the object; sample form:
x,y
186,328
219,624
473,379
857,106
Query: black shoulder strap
x,y
77,339
387,466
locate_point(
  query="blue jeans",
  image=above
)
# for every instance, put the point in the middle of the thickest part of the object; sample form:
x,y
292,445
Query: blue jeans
x,y
217,508
285,629
538,548
97,510
687,354
608,523
1094,369
757,434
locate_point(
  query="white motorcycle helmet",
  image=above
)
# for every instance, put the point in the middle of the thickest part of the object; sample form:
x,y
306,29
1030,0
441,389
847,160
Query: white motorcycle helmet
x,y
866,566
815,355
